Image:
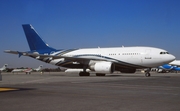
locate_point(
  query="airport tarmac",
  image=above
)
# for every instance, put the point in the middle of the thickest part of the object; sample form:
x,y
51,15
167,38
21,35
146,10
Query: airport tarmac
x,y
58,91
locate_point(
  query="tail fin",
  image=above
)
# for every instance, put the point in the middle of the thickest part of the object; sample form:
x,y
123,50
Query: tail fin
x,y
34,40
39,68
4,67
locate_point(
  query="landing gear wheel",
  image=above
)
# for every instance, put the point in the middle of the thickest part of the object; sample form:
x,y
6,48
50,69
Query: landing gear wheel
x,y
99,74
147,74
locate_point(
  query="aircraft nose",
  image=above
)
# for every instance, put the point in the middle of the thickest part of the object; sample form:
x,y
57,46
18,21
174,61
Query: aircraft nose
x,y
173,57
170,58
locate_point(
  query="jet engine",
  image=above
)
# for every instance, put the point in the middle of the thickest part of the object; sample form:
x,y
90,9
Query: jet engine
x,y
102,67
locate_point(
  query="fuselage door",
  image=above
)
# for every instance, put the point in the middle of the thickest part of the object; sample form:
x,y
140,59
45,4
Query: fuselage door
x,y
147,54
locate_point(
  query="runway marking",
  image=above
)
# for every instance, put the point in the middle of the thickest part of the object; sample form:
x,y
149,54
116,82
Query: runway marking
x,y
7,89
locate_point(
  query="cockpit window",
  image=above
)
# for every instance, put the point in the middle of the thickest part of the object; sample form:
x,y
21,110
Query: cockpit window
x,y
164,52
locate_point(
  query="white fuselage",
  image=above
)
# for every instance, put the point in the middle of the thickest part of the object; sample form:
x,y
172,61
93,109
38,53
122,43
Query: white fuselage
x,y
21,70
132,56
17,70
175,63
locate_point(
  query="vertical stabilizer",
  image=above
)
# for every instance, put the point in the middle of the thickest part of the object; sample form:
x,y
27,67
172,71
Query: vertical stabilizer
x,y
34,40
39,68
4,67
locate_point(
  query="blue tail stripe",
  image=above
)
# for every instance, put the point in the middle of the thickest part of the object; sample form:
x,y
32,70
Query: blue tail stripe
x,y
34,40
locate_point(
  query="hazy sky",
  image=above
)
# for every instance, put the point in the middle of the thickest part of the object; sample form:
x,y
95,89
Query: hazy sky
x,y
65,24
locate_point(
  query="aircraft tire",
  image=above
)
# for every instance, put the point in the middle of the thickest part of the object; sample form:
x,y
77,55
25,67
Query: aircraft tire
x,y
147,74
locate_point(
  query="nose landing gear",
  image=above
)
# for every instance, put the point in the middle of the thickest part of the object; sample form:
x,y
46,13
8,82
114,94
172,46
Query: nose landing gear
x,y
147,72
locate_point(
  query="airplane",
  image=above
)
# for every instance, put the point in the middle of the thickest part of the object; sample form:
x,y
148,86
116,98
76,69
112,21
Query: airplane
x,y
172,66
17,70
38,69
175,63
99,60
27,70
3,68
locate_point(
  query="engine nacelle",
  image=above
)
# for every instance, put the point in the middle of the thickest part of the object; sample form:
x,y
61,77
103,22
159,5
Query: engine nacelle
x,y
102,67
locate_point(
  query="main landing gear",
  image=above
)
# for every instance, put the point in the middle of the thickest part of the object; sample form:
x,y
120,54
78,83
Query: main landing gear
x,y
147,72
84,74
